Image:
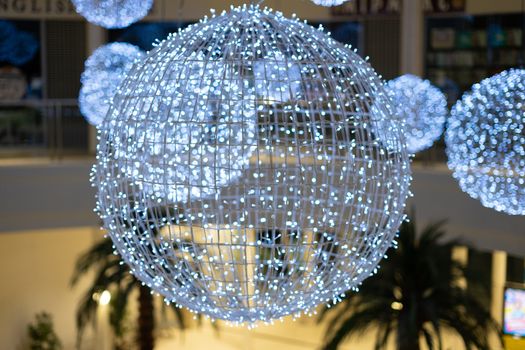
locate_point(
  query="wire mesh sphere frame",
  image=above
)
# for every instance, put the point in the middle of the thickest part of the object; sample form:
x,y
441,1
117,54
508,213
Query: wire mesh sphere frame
x,y
113,14
422,106
239,172
485,142
104,70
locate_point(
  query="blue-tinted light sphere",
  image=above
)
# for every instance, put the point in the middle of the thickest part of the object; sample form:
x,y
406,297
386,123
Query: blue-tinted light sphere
x,y
277,79
329,2
486,142
16,47
113,13
239,171
422,106
103,72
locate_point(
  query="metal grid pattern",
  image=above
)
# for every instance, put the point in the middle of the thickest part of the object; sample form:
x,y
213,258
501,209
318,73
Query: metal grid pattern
x,y
103,73
486,142
239,169
113,13
422,106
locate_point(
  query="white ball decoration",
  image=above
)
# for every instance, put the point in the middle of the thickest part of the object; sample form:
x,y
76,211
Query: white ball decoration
x,y
103,72
486,142
329,2
248,193
422,106
276,79
113,13
209,142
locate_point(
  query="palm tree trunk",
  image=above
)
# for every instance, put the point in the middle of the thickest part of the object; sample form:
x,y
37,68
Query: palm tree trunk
x,y
408,343
407,333
146,319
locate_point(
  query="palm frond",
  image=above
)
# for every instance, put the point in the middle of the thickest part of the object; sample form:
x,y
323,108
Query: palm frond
x,y
423,279
383,334
356,323
118,306
99,254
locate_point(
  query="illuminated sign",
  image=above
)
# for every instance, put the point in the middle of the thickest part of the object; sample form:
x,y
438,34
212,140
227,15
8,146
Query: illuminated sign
x,y
514,312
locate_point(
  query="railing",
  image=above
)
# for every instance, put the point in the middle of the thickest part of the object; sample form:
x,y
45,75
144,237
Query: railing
x,y
42,128
56,129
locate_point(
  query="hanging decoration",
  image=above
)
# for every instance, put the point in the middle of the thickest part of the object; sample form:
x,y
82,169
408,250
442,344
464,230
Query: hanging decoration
x,y
16,47
422,106
276,79
239,169
329,2
103,72
486,142
113,13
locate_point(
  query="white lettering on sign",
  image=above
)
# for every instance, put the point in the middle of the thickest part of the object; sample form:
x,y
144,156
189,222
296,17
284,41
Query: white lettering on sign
x,y
36,7
444,5
368,7
44,9
373,7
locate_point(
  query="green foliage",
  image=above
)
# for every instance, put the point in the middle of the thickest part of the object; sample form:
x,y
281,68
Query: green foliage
x,y
42,334
112,274
416,294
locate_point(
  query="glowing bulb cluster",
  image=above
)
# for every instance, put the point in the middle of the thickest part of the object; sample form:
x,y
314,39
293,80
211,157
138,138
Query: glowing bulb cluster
x,y
16,47
276,78
486,142
239,171
422,106
206,143
329,2
113,13
103,72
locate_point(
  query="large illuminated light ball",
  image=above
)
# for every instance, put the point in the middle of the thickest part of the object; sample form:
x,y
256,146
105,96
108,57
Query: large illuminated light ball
x,y
103,72
486,142
329,2
113,13
422,106
249,194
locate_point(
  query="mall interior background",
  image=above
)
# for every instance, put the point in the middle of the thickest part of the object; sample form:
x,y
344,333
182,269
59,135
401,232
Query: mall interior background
x,y
47,149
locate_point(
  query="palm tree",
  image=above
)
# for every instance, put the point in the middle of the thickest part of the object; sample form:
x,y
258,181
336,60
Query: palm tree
x,y
416,294
112,274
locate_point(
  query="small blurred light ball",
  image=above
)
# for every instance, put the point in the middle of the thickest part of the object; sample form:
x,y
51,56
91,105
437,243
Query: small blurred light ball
x,y
202,142
422,106
329,2
276,78
486,142
113,13
247,195
16,47
103,72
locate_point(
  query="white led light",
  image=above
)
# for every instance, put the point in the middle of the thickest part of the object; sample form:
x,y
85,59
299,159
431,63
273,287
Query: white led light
x,y
103,72
104,298
113,13
486,142
423,108
248,193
